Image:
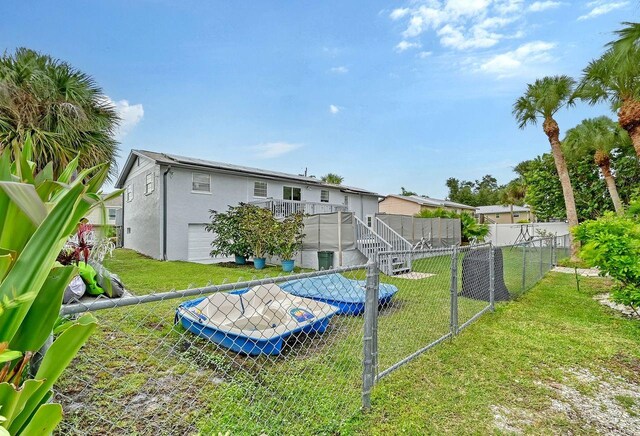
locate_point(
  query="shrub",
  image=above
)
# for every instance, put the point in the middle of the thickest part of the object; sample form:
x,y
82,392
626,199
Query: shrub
x,y
258,227
229,237
612,243
288,236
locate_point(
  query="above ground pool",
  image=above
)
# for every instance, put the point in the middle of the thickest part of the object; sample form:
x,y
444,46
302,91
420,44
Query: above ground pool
x,y
337,290
255,321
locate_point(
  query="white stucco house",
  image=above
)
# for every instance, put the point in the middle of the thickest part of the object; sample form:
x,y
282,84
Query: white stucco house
x,y
167,199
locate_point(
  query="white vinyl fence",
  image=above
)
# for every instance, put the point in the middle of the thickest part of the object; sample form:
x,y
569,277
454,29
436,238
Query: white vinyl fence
x,y
508,234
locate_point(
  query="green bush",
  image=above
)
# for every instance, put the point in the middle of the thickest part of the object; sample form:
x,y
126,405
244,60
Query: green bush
x,y
288,236
229,237
612,243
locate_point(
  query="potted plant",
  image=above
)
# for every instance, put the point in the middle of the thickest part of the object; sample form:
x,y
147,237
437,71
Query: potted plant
x,y
289,240
258,227
229,238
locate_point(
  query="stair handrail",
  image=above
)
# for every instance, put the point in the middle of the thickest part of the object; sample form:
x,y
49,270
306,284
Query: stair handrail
x,y
394,238
364,231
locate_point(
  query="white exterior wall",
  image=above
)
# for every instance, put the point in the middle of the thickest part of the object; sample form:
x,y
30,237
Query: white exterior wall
x,y
186,207
507,234
142,224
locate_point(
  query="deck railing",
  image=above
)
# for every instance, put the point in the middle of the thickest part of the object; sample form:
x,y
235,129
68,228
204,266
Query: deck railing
x,y
284,208
398,243
370,243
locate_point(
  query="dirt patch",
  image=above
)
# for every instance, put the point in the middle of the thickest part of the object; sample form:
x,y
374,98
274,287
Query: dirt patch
x,y
605,299
604,403
584,272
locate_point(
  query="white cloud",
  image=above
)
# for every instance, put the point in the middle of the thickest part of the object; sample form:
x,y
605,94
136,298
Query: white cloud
x,y
601,7
130,115
274,149
333,109
518,60
396,14
544,5
424,54
406,45
339,70
465,25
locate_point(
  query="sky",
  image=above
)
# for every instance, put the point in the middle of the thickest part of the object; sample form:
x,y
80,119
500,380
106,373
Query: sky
x,y
387,94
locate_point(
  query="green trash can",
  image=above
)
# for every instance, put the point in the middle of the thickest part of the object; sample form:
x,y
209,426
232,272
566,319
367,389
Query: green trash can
x,y
325,260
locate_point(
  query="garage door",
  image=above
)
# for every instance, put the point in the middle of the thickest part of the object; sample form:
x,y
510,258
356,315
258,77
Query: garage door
x,y
199,243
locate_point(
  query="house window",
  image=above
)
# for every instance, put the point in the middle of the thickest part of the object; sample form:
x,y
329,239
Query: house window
x,y
497,216
324,195
201,182
369,220
346,200
150,184
128,230
260,189
129,193
516,215
112,213
289,193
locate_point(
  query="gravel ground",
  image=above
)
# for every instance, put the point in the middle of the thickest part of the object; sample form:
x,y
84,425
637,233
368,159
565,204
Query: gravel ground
x,y
602,403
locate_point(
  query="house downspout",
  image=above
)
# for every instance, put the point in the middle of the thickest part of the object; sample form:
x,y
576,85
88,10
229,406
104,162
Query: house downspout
x,y
164,212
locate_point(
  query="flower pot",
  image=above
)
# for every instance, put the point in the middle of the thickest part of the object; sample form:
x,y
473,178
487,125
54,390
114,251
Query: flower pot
x,y
241,260
287,265
259,262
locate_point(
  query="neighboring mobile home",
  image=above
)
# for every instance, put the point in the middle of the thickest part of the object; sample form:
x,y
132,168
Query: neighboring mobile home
x,y
413,204
167,199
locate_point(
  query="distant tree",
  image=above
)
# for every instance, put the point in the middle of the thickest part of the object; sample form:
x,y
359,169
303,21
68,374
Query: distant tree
x,y
62,109
513,194
481,192
543,99
614,77
332,178
598,137
406,193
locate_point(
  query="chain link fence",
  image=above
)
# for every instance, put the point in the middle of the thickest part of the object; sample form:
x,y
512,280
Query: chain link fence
x,y
297,354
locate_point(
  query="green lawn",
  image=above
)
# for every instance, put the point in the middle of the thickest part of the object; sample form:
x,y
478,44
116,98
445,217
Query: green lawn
x,y
139,369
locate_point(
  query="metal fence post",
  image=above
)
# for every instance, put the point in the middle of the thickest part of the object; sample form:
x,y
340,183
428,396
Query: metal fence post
x,y
524,266
541,258
554,245
370,315
492,278
454,291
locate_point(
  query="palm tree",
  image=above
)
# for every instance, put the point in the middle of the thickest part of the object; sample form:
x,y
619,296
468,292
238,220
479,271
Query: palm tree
x,y
513,193
543,99
628,37
62,109
332,178
615,77
599,137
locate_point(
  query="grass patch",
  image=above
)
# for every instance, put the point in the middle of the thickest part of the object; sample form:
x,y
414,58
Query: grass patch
x,y
141,374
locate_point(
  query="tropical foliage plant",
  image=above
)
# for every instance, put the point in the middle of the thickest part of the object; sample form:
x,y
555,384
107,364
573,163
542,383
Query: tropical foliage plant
x,y
543,99
288,236
37,215
229,237
258,227
62,109
612,243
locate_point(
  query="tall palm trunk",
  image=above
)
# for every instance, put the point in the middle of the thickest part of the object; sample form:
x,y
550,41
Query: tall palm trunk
x,y
551,129
629,119
603,161
511,210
